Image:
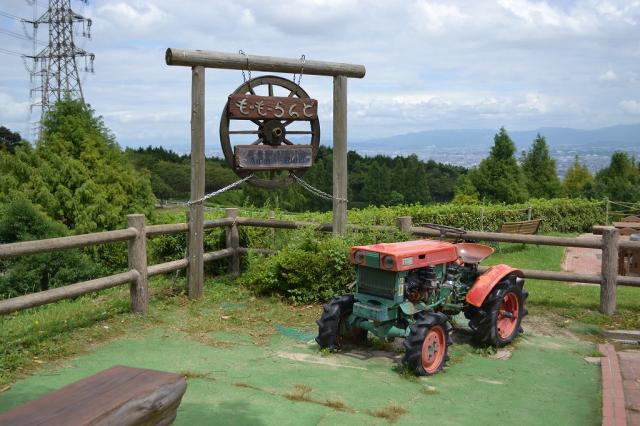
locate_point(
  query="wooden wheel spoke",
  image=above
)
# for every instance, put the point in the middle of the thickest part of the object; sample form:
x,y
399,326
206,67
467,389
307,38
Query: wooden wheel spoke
x,y
275,86
243,132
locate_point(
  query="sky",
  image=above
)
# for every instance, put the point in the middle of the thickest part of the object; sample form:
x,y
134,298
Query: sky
x,y
448,64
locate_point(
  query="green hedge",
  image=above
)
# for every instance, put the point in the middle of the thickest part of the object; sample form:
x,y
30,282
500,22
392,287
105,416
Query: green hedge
x,y
558,215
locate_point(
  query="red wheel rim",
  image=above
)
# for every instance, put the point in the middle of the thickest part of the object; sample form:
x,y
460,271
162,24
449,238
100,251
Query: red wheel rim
x,y
508,315
433,349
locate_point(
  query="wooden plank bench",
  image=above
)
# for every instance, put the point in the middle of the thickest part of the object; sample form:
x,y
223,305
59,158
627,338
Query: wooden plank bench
x,y
116,396
527,227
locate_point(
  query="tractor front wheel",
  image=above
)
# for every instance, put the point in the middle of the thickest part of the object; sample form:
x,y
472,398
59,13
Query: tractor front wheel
x,y
333,330
427,345
497,322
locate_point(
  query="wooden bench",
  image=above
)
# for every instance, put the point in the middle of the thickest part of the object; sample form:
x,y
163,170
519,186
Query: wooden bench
x,y
527,227
117,396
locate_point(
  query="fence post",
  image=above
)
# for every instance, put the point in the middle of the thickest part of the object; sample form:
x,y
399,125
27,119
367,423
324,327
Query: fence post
x,y
404,223
137,255
606,211
233,242
529,213
610,246
340,180
195,272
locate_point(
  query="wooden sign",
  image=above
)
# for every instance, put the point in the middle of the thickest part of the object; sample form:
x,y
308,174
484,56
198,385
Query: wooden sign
x,y
264,157
252,107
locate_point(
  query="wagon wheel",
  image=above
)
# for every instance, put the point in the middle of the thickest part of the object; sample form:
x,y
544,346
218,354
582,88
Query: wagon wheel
x,y
265,128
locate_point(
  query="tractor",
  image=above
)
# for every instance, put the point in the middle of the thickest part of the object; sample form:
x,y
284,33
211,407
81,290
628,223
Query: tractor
x,y
410,289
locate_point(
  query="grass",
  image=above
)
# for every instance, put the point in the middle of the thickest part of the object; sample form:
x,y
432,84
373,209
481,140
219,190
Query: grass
x,y
67,328
41,335
570,301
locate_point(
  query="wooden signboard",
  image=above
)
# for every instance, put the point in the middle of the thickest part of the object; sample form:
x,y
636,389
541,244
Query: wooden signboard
x,y
252,107
264,157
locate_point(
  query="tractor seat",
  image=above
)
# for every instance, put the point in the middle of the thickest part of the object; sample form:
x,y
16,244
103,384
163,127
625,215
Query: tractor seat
x,y
472,252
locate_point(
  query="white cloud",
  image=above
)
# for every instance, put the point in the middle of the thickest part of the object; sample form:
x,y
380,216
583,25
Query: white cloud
x,y
430,63
608,76
631,106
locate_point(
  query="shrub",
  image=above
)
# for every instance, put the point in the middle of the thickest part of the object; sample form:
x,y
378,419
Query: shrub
x,y
312,267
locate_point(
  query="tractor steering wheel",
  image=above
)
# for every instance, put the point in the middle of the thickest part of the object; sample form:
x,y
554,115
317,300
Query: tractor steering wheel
x,y
444,229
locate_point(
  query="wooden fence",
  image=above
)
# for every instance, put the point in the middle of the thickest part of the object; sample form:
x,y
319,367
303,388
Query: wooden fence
x,y
137,276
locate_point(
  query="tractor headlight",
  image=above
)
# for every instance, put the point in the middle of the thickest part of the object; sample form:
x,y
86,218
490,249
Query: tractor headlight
x,y
358,257
388,262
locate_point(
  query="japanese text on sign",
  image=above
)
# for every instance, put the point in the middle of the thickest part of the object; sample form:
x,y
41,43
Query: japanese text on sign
x,y
252,107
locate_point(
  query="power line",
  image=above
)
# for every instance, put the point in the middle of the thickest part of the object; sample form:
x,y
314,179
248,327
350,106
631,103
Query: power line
x,y
21,36
10,52
10,16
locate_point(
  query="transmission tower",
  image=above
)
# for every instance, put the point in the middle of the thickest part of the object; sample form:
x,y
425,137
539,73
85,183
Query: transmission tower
x,y
56,64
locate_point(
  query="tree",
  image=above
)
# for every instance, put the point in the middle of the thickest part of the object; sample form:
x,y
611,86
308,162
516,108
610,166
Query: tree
x,y
377,187
540,171
498,178
22,221
620,181
77,174
9,140
576,179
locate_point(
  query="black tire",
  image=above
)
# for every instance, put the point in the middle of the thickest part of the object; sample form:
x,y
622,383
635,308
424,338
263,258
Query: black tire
x,y
413,344
332,330
484,320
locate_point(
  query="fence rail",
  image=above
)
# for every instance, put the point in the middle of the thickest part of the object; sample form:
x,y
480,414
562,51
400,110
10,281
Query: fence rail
x,y
137,276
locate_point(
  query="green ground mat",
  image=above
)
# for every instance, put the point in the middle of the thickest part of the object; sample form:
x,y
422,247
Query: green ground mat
x,y
233,381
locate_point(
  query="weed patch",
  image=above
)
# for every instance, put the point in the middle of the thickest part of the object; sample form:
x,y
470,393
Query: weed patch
x,y
391,412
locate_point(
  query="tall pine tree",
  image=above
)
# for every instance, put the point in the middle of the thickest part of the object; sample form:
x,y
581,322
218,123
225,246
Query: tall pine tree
x,y
540,171
576,179
498,178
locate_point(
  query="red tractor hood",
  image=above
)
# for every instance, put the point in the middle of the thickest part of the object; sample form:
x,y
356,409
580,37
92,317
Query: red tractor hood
x,y
407,255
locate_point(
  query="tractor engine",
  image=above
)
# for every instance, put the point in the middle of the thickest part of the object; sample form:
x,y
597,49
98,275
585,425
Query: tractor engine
x,y
419,283
422,285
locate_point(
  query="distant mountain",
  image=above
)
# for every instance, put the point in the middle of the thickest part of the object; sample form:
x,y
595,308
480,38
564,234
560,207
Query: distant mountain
x,y
614,137
469,146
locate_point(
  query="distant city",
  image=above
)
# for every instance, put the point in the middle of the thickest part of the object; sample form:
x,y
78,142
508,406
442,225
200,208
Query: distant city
x,y
467,147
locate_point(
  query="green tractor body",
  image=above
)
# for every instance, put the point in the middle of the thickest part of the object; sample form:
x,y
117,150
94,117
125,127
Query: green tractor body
x,y
409,290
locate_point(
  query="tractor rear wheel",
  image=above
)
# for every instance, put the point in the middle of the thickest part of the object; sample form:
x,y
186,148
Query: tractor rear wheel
x,y
427,345
333,330
497,322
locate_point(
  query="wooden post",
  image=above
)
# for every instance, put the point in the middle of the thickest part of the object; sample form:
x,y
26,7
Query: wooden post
x,y
139,288
339,155
195,276
233,242
610,246
529,213
606,211
404,223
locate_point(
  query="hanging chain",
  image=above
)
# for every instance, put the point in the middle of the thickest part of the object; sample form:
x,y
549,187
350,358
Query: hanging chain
x,y
303,59
244,77
220,191
315,191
